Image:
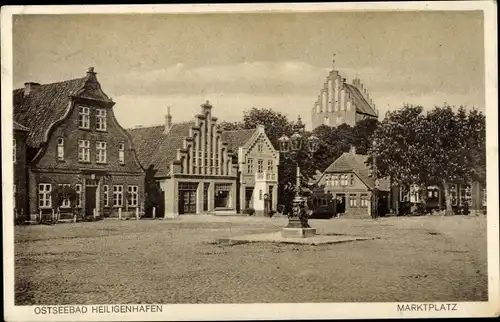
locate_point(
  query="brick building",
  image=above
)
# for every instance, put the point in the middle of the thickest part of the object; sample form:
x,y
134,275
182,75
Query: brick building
x,y
202,169
20,171
258,162
348,184
74,139
340,102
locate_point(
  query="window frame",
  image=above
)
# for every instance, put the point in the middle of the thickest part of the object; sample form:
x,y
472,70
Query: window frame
x,y
118,196
47,204
84,117
101,146
121,153
353,199
260,165
66,204
249,166
133,194
60,149
101,124
84,146
105,194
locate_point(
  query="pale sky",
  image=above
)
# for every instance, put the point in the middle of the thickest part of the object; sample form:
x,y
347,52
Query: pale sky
x,y
238,61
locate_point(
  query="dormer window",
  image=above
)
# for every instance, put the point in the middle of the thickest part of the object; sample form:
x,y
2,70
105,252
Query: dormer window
x,y
84,117
60,149
121,153
101,124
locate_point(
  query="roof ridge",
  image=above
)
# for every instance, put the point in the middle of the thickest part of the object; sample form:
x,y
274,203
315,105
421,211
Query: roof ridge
x,y
240,130
55,83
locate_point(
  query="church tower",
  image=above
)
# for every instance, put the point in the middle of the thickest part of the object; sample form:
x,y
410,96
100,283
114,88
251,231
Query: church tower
x,y
340,102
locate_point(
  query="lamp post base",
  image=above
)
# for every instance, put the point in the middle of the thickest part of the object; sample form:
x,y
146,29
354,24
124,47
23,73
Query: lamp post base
x,y
298,232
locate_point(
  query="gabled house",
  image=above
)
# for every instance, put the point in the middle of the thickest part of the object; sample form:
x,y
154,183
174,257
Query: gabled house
x,y
257,162
191,164
350,187
73,139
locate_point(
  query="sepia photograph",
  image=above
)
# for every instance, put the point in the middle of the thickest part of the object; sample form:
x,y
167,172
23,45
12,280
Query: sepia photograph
x,y
285,155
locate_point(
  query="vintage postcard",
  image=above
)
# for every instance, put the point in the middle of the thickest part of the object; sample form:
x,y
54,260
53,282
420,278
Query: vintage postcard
x,y
257,161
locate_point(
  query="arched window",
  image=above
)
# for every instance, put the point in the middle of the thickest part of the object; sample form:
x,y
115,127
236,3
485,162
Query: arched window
x,y
188,160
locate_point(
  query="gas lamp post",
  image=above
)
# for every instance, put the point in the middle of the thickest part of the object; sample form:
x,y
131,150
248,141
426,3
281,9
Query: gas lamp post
x,y
293,148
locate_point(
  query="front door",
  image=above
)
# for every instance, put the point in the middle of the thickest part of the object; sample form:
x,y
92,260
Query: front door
x,y
90,200
340,203
187,197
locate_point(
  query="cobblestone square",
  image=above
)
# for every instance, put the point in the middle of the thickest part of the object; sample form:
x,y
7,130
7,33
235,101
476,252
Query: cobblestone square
x,y
179,261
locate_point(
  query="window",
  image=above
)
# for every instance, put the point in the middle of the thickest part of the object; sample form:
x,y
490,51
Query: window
x,y
327,180
270,165
101,152
249,165
101,123
364,200
335,181
84,117
343,179
352,179
118,196
133,196
200,157
260,194
66,203
260,146
121,153
14,150
353,200
105,191
78,189
84,150
44,200
60,149
260,165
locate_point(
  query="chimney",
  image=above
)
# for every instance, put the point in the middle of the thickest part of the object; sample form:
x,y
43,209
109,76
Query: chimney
x,y
91,71
168,121
352,149
30,87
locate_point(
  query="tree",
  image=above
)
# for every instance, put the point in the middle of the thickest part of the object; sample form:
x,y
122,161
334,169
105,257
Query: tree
x,y
275,124
230,126
363,134
450,153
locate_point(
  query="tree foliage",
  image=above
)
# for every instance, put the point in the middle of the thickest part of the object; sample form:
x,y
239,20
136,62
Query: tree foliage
x,y
439,147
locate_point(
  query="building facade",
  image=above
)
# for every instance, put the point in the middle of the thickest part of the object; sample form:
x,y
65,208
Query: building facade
x,y
20,171
257,162
75,140
473,193
346,187
342,103
191,163
202,169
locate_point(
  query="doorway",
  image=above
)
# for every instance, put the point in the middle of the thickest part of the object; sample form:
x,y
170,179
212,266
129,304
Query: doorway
x,y
90,200
340,203
187,197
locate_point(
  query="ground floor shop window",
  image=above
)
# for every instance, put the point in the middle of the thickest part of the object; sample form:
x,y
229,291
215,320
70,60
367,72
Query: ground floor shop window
x,y
66,203
222,195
